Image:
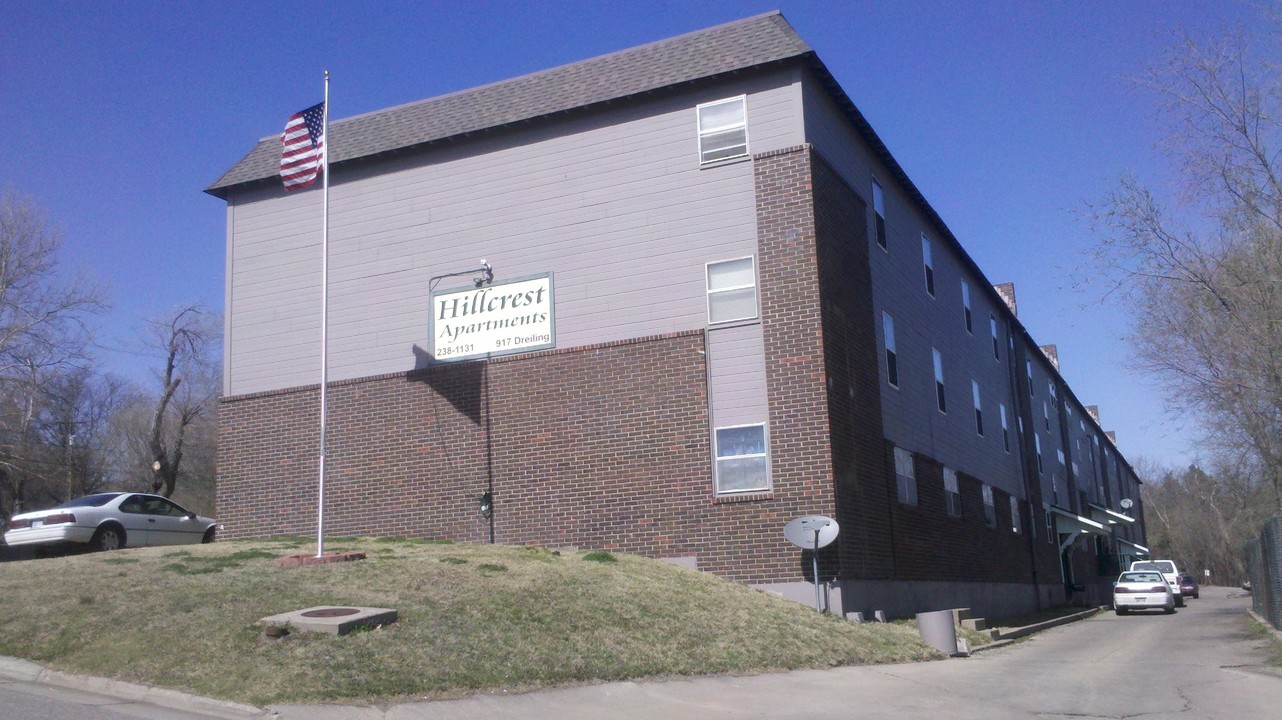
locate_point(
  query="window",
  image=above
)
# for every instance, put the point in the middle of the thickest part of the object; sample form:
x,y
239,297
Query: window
x,y
1050,524
723,129
741,459
1060,453
1050,389
732,290
990,510
992,325
939,380
1014,514
905,477
892,361
966,306
1037,441
879,211
979,413
952,495
928,265
1046,415
1005,428
1028,367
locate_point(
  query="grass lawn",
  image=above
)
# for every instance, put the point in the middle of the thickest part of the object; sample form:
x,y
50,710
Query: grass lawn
x,y
472,618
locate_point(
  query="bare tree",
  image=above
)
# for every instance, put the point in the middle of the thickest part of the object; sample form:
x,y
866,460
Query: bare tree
x,y
42,331
1205,281
189,388
1201,517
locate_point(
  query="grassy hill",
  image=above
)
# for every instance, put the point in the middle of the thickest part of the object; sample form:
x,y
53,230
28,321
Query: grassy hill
x,y
472,618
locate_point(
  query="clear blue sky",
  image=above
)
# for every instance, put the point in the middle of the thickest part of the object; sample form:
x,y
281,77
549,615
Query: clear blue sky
x,y
1009,116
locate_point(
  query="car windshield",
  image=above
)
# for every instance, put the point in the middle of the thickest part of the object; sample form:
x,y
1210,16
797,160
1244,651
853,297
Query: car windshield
x,y
88,501
1162,567
1141,577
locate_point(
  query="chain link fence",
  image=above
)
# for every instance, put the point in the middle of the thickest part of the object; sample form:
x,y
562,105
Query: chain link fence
x,y
1264,565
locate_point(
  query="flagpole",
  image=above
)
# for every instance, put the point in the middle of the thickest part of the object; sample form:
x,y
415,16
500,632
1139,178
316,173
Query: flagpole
x,y
320,491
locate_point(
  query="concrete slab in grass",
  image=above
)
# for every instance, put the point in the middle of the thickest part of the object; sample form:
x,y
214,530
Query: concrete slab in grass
x,y
332,619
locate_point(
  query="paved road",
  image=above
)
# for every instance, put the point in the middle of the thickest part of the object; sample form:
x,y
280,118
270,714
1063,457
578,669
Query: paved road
x,y
1202,662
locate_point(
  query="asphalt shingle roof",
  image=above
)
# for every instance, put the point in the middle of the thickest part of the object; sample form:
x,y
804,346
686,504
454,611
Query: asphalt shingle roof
x,y
703,54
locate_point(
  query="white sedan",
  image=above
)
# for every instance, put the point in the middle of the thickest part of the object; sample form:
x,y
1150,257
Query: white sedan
x,y
110,521
1142,590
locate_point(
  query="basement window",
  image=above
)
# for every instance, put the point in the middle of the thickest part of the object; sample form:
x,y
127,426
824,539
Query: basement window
x,y
952,494
723,129
905,477
990,510
742,464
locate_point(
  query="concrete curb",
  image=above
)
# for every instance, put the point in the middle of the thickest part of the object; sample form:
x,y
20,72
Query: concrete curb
x,y
18,670
1277,634
1009,635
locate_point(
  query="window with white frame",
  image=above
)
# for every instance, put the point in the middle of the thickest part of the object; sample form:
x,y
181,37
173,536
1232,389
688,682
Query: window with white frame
x,y
1060,453
966,306
905,477
879,212
1037,441
1046,415
992,326
742,464
1028,367
1005,428
1014,514
1050,524
939,380
723,129
928,265
892,360
732,290
979,411
952,494
1050,388
990,510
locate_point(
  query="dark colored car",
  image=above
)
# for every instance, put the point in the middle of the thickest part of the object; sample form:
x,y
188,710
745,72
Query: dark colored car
x,y
1188,586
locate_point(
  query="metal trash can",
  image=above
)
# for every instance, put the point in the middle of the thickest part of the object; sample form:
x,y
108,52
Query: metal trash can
x,y
938,631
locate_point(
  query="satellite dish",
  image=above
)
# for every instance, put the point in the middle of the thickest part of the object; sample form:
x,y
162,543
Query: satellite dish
x,y
811,532
1127,503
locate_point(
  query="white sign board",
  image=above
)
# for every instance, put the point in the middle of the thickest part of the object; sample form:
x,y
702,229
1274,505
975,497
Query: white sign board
x,y
497,319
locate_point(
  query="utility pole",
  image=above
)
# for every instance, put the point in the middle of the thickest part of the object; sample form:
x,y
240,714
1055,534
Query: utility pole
x,y
71,440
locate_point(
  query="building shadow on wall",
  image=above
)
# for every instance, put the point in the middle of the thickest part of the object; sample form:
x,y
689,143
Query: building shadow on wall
x,y
829,563
461,384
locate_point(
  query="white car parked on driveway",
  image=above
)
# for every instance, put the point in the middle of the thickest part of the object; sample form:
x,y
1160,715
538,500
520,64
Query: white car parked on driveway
x,y
1142,590
110,521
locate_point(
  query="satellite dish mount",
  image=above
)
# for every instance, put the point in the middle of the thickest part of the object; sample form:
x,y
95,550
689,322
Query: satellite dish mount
x,y
811,532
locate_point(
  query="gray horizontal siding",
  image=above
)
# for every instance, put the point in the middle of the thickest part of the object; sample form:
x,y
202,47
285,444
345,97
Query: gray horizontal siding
x,y
614,204
737,375
910,416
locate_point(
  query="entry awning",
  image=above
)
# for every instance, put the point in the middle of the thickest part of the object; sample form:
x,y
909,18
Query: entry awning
x,y
1105,516
1073,524
1136,547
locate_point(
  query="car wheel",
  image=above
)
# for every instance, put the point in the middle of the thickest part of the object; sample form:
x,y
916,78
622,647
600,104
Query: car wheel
x,y
108,537
1120,611
209,536
1169,610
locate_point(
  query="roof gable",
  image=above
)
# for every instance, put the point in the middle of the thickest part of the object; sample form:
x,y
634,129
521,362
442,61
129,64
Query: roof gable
x,y
687,58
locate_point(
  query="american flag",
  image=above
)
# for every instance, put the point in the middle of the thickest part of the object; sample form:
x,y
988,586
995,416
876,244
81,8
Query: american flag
x,y
303,147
